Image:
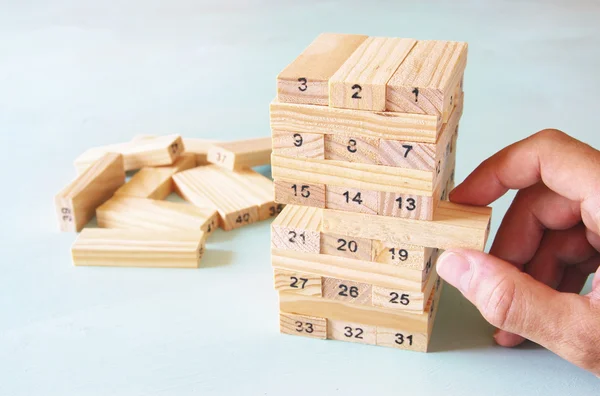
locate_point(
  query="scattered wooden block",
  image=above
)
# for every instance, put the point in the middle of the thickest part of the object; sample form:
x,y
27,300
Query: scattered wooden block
x,y
150,214
199,147
453,226
298,193
297,228
348,291
299,145
296,282
360,83
352,149
209,186
163,150
241,154
425,82
342,246
156,183
138,248
351,199
76,204
342,330
306,79
331,121
307,326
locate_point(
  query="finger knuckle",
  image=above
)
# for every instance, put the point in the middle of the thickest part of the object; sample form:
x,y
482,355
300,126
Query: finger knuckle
x,y
585,343
499,305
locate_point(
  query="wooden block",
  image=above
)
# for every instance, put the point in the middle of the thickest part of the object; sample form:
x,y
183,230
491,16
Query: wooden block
x,y
307,326
297,228
352,332
199,147
401,255
351,199
360,83
298,193
331,121
402,339
156,183
138,248
163,150
142,136
401,299
345,290
425,82
76,204
299,145
241,154
453,225
209,186
296,282
342,246
150,214
359,176
352,149
306,79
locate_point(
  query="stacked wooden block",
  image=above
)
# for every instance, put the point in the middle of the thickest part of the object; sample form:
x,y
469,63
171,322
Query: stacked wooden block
x,y
364,145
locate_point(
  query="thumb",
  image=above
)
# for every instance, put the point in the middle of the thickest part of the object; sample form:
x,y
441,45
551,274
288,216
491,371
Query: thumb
x,y
513,301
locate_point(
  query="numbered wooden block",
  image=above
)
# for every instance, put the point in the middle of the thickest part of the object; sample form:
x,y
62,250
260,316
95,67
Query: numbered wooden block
x,y
331,121
150,214
351,199
402,255
301,325
138,248
156,183
241,154
296,282
352,332
425,82
360,83
299,193
352,149
401,299
453,226
402,339
299,145
76,204
199,148
297,228
407,206
345,290
342,246
306,79
163,150
209,186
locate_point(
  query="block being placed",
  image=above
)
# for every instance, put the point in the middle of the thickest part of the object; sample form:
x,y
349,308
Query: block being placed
x,y
76,204
138,248
241,154
163,150
150,214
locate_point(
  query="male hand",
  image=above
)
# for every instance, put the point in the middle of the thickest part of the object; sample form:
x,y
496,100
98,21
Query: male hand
x,y
545,249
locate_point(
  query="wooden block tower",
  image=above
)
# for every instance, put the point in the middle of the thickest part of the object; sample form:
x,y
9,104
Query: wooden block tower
x,y
364,145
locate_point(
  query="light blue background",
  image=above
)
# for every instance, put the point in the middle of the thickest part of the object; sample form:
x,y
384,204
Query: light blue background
x,y
76,74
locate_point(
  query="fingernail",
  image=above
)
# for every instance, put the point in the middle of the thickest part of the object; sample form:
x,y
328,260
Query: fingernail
x,y
455,269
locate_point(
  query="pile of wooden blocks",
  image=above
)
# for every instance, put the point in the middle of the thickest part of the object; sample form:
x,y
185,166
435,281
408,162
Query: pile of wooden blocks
x,y
364,145
138,227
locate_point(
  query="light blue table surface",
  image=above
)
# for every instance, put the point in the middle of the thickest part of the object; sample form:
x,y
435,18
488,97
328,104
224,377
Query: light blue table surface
x,y
77,74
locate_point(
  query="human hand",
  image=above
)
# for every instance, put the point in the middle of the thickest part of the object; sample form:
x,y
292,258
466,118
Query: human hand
x,y
545,249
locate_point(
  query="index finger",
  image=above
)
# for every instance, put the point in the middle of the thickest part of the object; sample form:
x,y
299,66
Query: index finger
x,y
567,166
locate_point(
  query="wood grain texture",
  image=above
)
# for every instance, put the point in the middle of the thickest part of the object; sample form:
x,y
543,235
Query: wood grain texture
x,y
331,121
402,339
138,248
303,325
150,214
453,226
163,150
299,193
209,186
342,330
351,199
156,183
352,149
345,290
241,154
426,80
306,79
360,83
297,228
401,255
401,299
297,282
76,204
199,147
342,246
298,145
